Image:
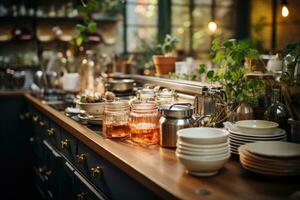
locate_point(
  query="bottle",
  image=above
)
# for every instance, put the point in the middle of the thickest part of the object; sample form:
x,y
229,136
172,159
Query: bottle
x,y
277,111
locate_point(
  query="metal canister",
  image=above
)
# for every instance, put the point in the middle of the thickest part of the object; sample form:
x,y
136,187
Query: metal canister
x,y
174,117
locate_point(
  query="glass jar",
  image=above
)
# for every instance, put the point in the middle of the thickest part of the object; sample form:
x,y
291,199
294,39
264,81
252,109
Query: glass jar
x,y
144,123
116,119
166,97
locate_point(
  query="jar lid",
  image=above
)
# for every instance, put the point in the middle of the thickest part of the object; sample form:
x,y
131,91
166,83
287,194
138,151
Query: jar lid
x,y
116,105
165,93
143,106
147,91
177,110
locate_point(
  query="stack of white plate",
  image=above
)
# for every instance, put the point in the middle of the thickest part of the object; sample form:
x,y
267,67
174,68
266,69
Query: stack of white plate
x,y
249,131
271,158
203,151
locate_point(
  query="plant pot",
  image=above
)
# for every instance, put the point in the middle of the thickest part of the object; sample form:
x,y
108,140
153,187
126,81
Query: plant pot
x,y
164,64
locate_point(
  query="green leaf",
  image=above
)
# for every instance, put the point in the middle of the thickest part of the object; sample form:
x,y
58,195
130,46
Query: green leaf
x,y
201,69
79,40
210,74
92,27
80,28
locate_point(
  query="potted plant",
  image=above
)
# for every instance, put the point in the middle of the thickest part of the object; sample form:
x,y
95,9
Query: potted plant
x,y
290,82
165,62
231,73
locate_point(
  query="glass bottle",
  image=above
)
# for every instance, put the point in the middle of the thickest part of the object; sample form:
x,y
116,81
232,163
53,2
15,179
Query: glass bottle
x,y
277,111
116,119
144,123
86,71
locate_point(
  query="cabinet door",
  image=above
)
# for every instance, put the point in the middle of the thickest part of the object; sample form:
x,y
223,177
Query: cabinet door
x,y
85,191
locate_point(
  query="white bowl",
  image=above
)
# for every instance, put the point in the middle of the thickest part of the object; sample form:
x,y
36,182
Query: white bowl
x,y
202,146
203,157
202,153
257,126
204,167
203,135
200,150
95,109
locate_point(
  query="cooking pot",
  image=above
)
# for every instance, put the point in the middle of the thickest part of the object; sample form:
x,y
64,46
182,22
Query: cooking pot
x,y
123,85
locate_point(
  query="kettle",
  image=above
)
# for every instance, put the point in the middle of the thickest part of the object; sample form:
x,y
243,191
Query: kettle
x,y
174,118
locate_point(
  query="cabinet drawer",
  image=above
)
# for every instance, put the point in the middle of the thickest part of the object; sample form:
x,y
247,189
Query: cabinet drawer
x,y
85,191
52,171
68,146
113,182
52,134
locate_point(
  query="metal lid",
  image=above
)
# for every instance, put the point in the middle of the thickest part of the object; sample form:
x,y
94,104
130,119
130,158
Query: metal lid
x,y
178,110
121,81
121,105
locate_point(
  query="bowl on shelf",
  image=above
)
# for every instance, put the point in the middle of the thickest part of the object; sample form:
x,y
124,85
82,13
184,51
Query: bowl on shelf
x,y
95,109
257,126
203,135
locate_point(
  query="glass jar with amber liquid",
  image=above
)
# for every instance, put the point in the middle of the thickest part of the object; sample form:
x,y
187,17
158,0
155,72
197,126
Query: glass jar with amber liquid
x,y
116,120
144,123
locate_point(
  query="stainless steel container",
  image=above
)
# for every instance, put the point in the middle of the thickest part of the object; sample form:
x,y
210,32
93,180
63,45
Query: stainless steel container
x,y
174,117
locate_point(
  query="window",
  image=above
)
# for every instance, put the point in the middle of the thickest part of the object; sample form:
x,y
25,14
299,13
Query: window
x,y
191,28
189,20
141,22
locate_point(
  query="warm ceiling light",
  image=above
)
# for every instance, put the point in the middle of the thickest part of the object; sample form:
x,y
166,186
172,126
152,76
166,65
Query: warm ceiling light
x,y
212,26
284,9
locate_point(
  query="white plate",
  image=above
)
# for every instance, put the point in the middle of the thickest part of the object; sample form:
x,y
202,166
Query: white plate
x,y
232,137
275,133
257,127
274,149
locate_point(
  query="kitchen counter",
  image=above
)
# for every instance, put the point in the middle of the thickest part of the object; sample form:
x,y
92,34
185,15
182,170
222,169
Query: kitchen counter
x,y
158,170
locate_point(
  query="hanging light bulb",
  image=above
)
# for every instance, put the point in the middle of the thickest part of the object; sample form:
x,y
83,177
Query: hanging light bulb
x,y
284,9
212,26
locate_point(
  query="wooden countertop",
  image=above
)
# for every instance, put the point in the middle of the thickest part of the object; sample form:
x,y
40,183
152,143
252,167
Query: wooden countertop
x,y
158,170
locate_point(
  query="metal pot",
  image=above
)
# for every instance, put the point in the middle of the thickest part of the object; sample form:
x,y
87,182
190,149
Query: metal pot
x,y
174,117
123,85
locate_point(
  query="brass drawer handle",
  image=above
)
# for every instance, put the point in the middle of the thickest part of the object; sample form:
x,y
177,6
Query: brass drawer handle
x,y
81,196
97,171
31,140
35,118
65,144
42,123
51,132
80,158
48,173
22,117
27,114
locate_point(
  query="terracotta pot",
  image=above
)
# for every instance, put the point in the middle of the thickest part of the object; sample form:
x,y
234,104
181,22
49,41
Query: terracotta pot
x,y
164,64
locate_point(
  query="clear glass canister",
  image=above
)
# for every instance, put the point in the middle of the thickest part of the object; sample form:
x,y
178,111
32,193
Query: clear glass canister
x,y
166,97
144,123
116,119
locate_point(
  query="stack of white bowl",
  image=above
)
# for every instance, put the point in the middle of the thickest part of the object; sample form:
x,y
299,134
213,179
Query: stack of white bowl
x,y
203,151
